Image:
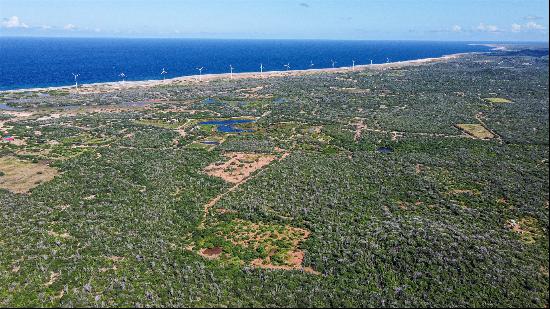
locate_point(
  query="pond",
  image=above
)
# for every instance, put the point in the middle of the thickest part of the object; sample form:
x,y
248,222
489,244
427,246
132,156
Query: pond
x,y
228,126
209,101
210,143
385,149
8,108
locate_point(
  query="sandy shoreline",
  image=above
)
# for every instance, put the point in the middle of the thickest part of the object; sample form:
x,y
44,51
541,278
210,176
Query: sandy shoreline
x,y
114,86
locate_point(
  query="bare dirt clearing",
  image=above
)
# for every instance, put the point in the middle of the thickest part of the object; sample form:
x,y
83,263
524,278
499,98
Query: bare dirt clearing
x,y
21,176
239,166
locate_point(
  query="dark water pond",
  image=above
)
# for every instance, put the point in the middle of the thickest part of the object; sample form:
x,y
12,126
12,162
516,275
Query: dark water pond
x,y
209,101
228,126
8,108
385,149
210,143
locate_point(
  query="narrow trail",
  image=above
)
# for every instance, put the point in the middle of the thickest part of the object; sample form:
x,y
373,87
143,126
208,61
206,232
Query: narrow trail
x,y
236,185
359,130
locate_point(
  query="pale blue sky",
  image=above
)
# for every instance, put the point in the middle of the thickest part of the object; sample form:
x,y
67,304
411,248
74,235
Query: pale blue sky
x,y
503,20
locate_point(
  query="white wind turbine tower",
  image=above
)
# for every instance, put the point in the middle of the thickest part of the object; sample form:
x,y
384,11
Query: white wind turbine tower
x,y
231,68
387,60
287,66
371,62
311,65
163,73
200,72
353,65
261,67
76,80
123,76
333,63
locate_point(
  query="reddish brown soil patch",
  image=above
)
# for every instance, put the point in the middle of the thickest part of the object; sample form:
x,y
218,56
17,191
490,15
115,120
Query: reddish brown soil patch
x,y
239,166
211,253
295,259
360,127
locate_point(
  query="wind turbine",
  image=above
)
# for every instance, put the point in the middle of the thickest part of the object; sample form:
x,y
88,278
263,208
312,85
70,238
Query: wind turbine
x,y
287,66
231,68
371,62
261,67
311,65
353,65
76,79
333,63
163,73
123,76
387,60
200,72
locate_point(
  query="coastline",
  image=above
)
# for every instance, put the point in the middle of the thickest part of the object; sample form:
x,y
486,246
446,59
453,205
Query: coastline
x,y
194,79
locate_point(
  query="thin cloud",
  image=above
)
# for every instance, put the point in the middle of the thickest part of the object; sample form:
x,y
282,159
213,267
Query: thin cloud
x,y
305,5
70,27
530,26
456,28
13,23
532,17
534,26
487,28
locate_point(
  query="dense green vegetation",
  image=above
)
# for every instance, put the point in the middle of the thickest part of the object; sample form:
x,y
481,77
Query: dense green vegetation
x,y
443,220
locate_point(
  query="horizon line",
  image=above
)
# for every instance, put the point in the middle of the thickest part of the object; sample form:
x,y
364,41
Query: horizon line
x,y
259,39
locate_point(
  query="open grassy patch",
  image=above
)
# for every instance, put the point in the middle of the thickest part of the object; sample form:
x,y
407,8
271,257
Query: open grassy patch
x,y
527,228
20,176
165,124
476,130
497,100
262,245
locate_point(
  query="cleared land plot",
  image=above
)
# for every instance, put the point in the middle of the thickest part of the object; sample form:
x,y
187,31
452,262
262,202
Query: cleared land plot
x,y
476,130
19,176
268,246
239,166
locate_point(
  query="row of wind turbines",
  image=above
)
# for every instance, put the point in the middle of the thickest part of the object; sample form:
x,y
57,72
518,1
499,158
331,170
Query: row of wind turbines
x,y
231,69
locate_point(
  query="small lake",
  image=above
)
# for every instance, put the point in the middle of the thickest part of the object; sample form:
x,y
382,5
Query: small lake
x,y
5,107
385,149
209,101
228,126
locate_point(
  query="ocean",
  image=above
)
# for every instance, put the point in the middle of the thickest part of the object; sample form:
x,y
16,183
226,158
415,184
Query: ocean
x,y
48,62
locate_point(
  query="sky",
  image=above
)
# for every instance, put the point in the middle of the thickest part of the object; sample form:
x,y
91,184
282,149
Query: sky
x,y
452,20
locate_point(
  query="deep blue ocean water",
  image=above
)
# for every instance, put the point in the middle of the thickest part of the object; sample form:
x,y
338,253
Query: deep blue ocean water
x,y
45,62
